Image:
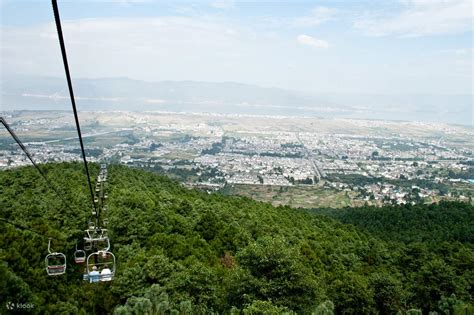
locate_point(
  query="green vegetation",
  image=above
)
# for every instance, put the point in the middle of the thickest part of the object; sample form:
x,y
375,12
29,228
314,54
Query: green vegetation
x,y
298,196
96,152
445,222
214,149
293,155
182,251
360,180
467,174
291,145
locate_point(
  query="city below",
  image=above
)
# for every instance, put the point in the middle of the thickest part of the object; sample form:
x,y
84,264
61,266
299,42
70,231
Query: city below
x,y
296,161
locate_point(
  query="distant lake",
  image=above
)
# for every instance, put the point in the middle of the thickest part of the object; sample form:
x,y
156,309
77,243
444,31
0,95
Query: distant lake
x,y
471,181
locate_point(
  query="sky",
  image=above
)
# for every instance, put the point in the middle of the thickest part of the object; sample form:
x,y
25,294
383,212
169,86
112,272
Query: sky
x,y
340,46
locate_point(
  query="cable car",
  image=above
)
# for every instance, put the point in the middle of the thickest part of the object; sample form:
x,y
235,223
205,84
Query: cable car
x,y
79,256
96,238
87,244
100,266
55,262
87,239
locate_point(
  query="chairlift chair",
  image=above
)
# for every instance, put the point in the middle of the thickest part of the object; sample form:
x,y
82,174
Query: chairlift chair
x,y
103,243
87,244
100,266
96,238
104,233
55,262
87,239
79,256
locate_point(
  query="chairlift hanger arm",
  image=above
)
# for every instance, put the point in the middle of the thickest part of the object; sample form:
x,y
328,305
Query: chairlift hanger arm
x,y
71,94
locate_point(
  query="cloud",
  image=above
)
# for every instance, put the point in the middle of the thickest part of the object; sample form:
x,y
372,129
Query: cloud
x,y
218,48
458,51
319,15
223,4
420,18
153,49
311,41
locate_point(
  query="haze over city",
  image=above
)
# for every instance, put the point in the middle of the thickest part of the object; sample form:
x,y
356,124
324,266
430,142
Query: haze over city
x,y
374,55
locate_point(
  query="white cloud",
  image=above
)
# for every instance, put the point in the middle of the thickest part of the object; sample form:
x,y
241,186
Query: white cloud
x,y
216,48
319,15
311,41
223,4
153,49
458,51
420,18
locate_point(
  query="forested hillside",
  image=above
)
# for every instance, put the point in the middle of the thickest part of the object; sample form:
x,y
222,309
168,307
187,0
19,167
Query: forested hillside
x,y
448,221
181,251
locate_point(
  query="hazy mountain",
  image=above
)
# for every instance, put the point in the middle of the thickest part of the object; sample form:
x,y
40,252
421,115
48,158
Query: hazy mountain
x,y
228,97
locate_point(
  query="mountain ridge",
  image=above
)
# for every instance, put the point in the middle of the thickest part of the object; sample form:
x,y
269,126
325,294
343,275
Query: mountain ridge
x,y
25,92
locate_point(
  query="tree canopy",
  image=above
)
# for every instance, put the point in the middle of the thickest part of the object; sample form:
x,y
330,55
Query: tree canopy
x,y
181,251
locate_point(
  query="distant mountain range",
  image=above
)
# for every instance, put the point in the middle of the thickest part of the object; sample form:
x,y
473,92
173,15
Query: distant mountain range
x,y
22,92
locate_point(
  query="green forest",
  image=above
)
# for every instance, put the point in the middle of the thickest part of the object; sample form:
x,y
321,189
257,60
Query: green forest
x,y
182,251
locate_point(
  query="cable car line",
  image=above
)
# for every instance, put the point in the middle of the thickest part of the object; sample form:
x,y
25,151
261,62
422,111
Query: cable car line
x,y
21,227
22,146
73,102
100,265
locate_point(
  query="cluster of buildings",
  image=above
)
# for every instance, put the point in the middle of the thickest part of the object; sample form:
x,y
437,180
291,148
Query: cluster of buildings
x,y
372,167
